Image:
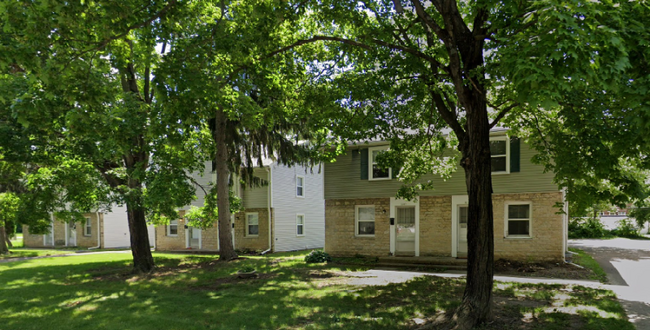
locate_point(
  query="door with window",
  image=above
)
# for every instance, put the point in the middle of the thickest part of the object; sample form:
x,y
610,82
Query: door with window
x,y
462,231
72,234
194,237
48,239
405,230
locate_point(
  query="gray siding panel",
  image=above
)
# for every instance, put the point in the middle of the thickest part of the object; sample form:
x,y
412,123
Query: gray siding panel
x,y
256,197
286,206
205,180
342,180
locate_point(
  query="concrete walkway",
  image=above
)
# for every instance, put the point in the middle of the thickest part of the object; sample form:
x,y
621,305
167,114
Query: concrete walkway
x,y
627,264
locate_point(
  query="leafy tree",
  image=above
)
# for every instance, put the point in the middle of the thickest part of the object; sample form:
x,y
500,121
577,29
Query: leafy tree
x,y
87,69
8,210
411,71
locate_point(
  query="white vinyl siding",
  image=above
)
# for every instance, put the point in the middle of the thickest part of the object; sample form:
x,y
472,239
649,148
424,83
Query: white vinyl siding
x,y
205,180
115,232
286,205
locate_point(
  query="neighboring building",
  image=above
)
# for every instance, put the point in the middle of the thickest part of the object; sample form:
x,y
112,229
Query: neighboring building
x,y
113,232
286,214
363,217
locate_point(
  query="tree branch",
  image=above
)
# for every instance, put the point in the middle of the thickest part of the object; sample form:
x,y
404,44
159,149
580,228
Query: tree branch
x,y
502,113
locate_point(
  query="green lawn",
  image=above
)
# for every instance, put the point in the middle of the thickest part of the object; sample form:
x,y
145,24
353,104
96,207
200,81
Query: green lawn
x,y
585,260
22,252
195,292
17,241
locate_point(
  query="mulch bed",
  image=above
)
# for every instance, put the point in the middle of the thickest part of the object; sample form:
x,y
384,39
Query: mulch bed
x,y
541,269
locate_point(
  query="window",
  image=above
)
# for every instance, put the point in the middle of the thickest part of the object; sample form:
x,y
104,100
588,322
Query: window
x,y
518,219
365,220
172,228
621,213
300,186
376,172
499,149
87,228
252,224
300,225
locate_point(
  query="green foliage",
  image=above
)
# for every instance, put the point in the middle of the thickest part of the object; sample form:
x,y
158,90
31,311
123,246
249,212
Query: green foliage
x,y
641,214
626,228
587,228
317,256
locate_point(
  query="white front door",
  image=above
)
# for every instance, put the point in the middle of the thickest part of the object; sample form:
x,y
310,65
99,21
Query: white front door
x,y
48,239
462,231
194,238
72,234
405,230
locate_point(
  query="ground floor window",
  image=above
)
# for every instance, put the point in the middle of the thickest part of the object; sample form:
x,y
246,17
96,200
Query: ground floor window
x,y
88,227
518,219
172,228
365,220
252,224
300,225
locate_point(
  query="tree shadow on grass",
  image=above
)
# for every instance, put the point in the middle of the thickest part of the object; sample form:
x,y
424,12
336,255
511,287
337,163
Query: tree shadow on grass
x,y
188,293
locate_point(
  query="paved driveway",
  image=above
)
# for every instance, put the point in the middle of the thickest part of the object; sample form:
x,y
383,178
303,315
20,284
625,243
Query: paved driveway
x,y
627,264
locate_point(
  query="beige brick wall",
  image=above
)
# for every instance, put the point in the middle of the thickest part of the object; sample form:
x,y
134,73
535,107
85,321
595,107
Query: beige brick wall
x,y
259,242
436,228
340,236
32,240
169,243
546,229
210,239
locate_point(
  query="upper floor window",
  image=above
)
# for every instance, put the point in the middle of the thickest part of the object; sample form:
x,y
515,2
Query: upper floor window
x,y
87,228
500,151
300,186
376,172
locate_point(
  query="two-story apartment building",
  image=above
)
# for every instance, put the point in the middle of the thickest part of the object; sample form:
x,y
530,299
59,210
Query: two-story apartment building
x,y
286,214
362,215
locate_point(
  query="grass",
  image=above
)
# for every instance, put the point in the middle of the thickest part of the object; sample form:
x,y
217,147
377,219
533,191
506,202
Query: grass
x,y
17,241
585,260
22,253
196,292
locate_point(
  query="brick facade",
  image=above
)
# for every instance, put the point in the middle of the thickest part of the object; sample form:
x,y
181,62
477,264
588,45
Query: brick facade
x,y
209,237
436,224
36,240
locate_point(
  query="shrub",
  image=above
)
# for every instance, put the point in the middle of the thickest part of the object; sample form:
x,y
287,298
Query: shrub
x,y
317,257
587,228
626,229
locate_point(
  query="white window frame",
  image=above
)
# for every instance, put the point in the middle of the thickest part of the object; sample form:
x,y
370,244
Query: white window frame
x,y
507,139
258,225
356,220
88,231
506,219
300,186
172,223
370,163
300,224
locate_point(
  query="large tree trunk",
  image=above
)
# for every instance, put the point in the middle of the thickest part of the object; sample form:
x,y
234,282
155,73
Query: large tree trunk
x,y
140,246
3,244
477,298
226,248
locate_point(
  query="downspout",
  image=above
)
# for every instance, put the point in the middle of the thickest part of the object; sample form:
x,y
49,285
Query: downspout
x,y
99,234
268,208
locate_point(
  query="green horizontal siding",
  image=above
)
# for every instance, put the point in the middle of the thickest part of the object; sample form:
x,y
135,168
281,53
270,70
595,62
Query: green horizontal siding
x,y
342,180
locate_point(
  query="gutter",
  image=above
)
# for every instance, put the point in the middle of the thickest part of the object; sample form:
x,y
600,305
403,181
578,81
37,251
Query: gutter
x,y
268,208
99,234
